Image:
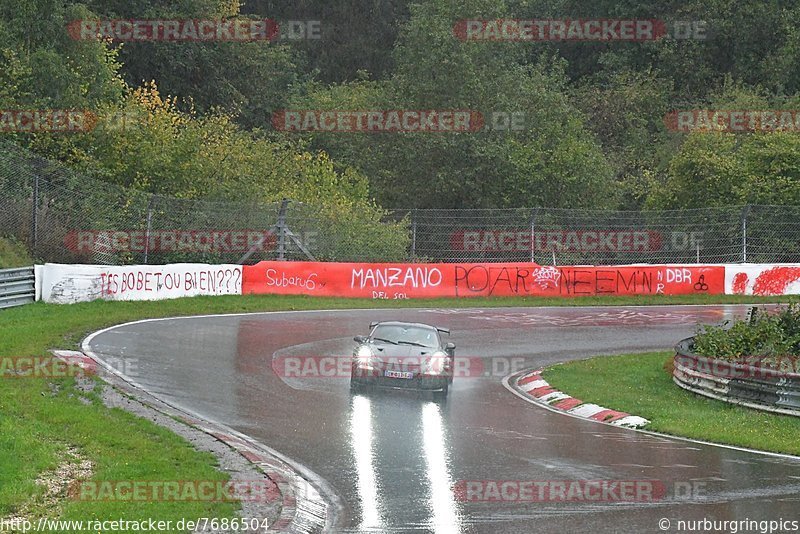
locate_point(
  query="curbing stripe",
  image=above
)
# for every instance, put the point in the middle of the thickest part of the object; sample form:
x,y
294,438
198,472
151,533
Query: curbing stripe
x,y
542,391
532,386
554,396
607,416
529,378
586,410
535,384
630,421
566,404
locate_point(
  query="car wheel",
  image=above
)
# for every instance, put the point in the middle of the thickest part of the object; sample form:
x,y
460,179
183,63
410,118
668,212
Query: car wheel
x,y
356,385
441,395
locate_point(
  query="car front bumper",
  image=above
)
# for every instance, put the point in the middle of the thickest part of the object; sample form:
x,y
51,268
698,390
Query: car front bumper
x,y
418,381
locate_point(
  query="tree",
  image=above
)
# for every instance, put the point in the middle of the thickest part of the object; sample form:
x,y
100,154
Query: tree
x,y
356,35
246,79
717,168
41,66
554,160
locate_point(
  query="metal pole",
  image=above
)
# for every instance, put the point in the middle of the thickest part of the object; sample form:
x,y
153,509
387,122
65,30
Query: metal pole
x,y
533,235
35,204
413,234
148,227
282,230
745,213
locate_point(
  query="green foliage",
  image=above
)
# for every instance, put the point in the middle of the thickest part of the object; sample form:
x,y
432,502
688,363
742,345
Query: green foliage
x,y
553,160
150,147
625,109
357,36
13,254
360,235
756,42
771,338
714,168
593,132
40,65
722,169
247,80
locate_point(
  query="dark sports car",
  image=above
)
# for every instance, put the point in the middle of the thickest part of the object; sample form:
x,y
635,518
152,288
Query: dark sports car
x,y
404,355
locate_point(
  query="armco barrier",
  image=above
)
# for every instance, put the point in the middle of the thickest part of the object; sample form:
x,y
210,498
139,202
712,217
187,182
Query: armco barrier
x,y
752,386
17,287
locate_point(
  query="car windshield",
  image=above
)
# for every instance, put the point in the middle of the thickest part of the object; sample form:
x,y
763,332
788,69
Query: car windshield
x,y
413,335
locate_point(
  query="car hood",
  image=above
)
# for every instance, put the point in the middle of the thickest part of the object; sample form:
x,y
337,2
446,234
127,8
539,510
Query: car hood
x,y
400,351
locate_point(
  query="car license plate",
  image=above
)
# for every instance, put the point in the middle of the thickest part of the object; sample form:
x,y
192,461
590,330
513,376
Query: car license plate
x,y
398,374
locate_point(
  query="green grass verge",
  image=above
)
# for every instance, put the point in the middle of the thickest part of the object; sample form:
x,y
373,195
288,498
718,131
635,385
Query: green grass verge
x,y
40,418
641,384
13,254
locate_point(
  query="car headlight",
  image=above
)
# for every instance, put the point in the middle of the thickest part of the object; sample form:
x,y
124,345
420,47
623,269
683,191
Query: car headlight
x,y
437,364
364,357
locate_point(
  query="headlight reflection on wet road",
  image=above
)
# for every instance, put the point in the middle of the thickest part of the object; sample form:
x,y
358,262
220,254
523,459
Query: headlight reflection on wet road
x,y
362,441
445,515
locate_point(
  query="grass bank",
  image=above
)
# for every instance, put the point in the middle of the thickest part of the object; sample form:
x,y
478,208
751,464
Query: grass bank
x,y
641,384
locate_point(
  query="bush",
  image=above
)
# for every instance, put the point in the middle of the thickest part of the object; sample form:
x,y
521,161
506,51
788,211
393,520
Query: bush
x,y
771,339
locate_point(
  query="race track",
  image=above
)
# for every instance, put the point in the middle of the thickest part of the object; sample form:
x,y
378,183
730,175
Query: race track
x,y
393,458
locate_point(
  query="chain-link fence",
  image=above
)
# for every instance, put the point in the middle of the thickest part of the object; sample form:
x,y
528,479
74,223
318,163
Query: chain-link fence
x,y
568,236
66,217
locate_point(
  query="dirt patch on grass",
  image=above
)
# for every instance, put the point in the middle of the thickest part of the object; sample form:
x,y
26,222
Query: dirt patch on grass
x,y
56,484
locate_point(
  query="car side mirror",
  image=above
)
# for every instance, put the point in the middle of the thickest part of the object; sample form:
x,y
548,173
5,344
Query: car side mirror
x,y
360,339
450,346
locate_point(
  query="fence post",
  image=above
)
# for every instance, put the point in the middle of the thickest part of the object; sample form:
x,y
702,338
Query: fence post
x,y
34,205
745,213
283,232
281,226
148,227
413,234
533,234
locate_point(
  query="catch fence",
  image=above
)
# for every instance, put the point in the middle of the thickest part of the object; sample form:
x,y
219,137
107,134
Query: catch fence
x,y
67,217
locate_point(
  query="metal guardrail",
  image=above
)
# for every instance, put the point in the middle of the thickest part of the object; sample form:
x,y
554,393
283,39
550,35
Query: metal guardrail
x,y
762,388
17,287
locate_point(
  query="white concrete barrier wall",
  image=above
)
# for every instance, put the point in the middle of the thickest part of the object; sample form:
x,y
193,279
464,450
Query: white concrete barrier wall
x,y
762,279
65,284
61,283
37,280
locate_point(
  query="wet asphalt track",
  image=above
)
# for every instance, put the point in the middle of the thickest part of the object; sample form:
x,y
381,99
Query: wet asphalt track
x,y
393,458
